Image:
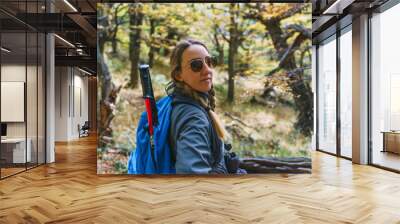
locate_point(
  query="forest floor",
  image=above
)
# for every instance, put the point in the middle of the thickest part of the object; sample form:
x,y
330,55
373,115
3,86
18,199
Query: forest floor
x,y
257,130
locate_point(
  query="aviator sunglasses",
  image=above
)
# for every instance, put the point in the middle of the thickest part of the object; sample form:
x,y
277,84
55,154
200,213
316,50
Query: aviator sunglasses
x,y
197,64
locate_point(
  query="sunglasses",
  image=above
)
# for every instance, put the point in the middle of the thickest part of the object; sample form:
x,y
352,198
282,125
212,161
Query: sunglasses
x,y
197,64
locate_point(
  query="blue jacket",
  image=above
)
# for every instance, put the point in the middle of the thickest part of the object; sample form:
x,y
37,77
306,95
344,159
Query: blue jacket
x,y
196,147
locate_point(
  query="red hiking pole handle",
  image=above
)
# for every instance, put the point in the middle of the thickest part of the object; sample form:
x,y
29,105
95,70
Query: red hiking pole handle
x,y
147,101
151,107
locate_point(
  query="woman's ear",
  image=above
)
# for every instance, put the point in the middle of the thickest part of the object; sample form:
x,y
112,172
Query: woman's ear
x,y
178,76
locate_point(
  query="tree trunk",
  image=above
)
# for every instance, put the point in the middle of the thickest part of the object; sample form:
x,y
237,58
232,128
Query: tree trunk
x,y
109,94
219,46
152,48
221,56
114,44
233,49
136,19
114,40
231,71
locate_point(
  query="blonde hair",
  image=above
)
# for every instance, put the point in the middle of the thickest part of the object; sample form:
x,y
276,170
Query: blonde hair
x,y
209,104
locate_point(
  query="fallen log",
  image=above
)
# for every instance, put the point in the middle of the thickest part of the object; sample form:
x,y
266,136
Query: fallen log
x,y
279,163
276,165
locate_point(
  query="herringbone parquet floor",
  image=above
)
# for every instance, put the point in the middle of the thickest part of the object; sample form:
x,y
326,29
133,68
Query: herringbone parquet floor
x,y
69,191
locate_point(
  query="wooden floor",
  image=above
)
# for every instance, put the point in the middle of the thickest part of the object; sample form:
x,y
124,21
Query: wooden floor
x,y
69,191
5,172
10,171
386,159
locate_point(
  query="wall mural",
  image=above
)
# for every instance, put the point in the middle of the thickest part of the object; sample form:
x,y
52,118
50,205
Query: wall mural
x,y
204,88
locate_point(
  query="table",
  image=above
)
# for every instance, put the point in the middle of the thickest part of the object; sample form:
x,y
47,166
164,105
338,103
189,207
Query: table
x,y
13,150
391,141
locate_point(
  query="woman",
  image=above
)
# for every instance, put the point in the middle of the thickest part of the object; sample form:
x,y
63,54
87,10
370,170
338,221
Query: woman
x,y
196,133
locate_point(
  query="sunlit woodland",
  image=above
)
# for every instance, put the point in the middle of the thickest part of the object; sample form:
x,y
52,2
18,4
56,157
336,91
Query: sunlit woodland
x,y
262,80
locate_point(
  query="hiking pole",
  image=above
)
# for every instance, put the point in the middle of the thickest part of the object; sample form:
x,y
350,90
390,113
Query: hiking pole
x,y
151,108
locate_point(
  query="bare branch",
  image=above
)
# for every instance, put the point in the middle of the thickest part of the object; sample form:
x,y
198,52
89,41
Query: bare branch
x,y
289,51
296,9
299,28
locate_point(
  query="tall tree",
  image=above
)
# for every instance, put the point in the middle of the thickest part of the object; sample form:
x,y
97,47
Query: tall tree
x,y
286,41
109,91
153,23
232,32
117,21
136,20
218,43
234,28
234,43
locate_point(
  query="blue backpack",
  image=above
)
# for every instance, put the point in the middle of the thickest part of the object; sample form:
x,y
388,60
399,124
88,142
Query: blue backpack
x,y
140,159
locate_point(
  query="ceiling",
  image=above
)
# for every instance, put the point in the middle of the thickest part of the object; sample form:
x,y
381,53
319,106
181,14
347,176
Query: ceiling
x,y
330,15
74,22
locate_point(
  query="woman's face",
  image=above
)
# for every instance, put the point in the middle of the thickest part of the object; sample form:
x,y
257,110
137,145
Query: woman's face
x,y
201,80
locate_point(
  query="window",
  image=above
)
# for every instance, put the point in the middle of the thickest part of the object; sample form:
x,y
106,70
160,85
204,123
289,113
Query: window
x,y
22,75
327,95
346,92
385,87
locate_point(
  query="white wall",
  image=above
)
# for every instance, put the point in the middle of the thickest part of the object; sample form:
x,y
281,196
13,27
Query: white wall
x,y
13,72
71,94
80,110
61,103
